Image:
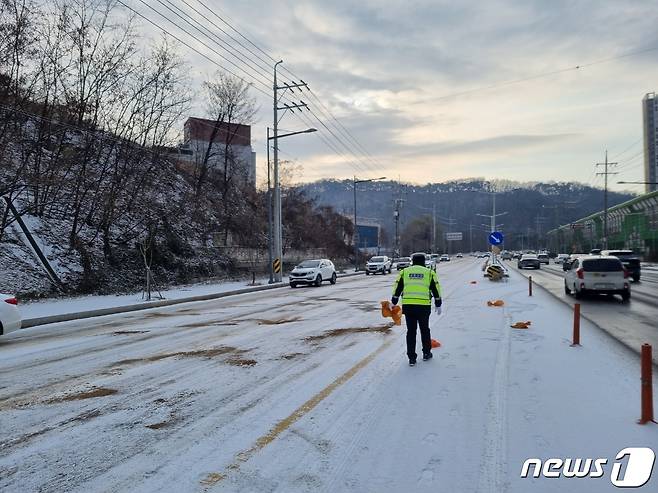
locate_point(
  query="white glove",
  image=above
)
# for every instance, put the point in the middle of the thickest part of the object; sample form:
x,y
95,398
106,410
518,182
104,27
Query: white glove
x,y
437,310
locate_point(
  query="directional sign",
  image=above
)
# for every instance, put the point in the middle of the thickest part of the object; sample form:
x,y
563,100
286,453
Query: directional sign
x,y
496,238
454,236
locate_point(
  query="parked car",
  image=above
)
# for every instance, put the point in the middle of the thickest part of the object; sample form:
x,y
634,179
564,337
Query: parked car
x,y
403,262
630,261
444,258
597,274
543,258
381,264
313,272
528,260
459,255
10,316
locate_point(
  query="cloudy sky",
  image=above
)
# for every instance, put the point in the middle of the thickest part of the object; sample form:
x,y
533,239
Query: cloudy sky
x,y
427,87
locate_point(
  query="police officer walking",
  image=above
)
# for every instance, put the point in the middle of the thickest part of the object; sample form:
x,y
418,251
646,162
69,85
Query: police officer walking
x,y
417,284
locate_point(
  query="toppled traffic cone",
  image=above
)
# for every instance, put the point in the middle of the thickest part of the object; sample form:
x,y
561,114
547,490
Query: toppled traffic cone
x,y
496,303
435,344
392,311
521,325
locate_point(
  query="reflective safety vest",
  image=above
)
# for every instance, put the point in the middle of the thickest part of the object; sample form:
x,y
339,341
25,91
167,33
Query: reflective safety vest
x,y
417,280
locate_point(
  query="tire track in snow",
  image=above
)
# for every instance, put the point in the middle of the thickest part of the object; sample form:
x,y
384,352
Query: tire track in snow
x,y
241,457
493,465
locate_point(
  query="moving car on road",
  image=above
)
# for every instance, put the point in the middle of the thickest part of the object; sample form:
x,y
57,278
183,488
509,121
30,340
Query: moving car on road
x,y
459,255
10,317
561,257
506,255
313,272
599,275
380,264
528,260
629,259
403,263
429,262
543,258
444,258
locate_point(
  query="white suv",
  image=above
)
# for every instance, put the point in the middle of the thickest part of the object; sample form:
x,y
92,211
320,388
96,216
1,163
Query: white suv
x,y
313,272
10,317
381,263
595,274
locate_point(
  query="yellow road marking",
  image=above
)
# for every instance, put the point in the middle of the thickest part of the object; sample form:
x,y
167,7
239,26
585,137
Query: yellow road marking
x,y
214,478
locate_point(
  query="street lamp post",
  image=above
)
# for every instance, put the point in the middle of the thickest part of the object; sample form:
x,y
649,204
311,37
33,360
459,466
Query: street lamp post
x,y
355,236
276,228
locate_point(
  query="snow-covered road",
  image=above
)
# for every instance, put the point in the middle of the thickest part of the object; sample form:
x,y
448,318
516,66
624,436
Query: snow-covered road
x,y
309,390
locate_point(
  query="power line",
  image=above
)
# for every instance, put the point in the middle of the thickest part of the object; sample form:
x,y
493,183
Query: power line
x,y
177,38
212,11
220,41
360,168
322,107
628,148
547,74
197,40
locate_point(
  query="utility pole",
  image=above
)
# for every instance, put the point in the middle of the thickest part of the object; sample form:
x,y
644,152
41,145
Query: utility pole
x,y
470,230
539,220
493,217
278,228
398,204
605,197
355,236
270,226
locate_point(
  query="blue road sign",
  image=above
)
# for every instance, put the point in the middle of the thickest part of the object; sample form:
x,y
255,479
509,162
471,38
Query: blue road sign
x,y
496,238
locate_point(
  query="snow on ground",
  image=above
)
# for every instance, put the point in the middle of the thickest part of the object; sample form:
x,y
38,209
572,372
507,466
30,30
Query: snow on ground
x,y
58,306
308,389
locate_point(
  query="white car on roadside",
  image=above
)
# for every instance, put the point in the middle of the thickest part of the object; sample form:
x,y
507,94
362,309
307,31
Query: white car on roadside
x,y
10,316
597,275
379,264
313,272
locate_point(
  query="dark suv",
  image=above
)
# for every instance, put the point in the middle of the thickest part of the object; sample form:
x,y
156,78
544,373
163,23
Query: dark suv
x,y
630,260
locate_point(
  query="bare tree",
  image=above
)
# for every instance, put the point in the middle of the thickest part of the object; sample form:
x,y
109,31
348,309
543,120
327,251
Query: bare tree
x,y
228,106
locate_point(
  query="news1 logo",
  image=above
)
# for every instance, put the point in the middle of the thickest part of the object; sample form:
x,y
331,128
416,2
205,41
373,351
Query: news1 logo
x,y
639,463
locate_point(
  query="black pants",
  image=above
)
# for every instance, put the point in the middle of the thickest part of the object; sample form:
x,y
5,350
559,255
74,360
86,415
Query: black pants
x,y
416,315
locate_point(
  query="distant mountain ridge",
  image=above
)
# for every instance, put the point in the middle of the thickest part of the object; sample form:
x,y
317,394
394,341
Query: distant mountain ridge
x,y
532,208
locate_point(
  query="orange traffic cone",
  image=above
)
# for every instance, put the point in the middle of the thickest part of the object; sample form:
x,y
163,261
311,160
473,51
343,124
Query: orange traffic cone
x,y
496,303
435,344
